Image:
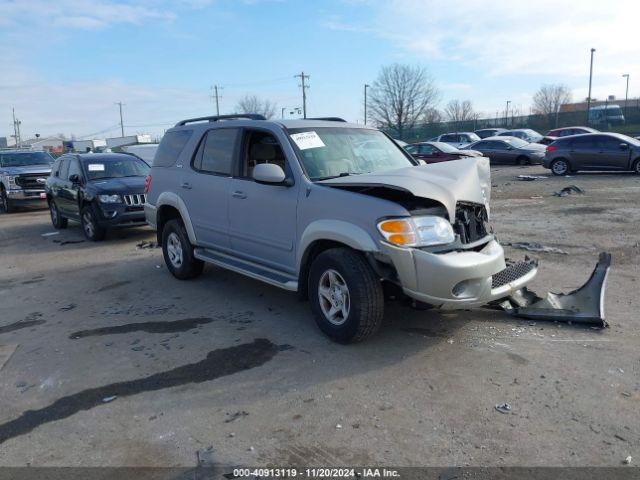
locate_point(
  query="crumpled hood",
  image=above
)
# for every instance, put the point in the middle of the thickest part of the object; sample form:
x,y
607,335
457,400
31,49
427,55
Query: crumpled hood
x,y
122,186
44,169
467,180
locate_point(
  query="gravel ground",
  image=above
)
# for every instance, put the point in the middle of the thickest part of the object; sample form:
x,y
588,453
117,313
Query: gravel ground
x,y
237,370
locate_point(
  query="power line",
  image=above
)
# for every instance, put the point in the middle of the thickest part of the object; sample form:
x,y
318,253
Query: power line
x,y
304,87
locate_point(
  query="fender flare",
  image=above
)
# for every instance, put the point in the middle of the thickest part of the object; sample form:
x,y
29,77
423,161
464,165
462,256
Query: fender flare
x,y
172,200
335,230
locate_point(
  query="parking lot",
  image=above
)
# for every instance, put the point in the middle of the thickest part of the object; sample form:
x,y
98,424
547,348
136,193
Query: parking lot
x,y
118,363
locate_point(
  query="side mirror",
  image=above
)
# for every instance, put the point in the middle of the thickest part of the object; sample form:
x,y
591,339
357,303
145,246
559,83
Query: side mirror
x,y
268,173
75,179
624,146
421,162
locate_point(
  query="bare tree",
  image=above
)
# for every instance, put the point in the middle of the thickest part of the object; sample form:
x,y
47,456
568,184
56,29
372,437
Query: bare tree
x,y
400,96
253,104
458,111
548,98
432,115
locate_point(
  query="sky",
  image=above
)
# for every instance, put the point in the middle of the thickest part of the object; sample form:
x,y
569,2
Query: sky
x,y
66,63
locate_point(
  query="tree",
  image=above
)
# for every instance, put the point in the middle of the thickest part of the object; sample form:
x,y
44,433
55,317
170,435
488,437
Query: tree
x,y
458,111
432,115
253,104
400,97
548,98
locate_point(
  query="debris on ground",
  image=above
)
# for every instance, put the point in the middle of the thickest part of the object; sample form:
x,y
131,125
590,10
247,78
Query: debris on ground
x,y
568,191
534,247
205,457
50,234
109,399
583,305
235,416
503,408
66,308
627,461
145,245
5,353
67,242
530,178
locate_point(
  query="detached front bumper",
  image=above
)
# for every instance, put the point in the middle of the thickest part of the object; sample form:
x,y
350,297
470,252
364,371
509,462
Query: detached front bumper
x,y
458,280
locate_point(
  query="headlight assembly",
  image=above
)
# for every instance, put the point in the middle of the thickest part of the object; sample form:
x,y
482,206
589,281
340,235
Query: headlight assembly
x,y
417,231
109,198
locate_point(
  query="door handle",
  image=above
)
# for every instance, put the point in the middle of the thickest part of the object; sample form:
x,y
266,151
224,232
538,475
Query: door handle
x,y
186,185
238,194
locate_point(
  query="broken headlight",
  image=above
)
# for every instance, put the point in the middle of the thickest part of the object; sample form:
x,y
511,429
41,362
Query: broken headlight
x,y
417,231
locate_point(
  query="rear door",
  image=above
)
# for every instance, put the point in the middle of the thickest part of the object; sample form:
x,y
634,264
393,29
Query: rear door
x,y
262,217
205,185
610,154
584,153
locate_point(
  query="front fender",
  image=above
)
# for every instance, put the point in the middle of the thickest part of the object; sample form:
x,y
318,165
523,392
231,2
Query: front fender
x,y
335,230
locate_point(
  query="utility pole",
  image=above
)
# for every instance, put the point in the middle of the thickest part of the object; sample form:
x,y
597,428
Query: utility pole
x,y
626,95
506,114
365,102
590,78
302,78
216,96
15,126
120,104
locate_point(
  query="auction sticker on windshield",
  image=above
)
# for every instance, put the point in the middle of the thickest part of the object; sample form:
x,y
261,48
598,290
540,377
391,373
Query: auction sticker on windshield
x,y
96,167
307,140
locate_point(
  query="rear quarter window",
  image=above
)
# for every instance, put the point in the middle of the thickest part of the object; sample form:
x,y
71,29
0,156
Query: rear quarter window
x,y
171,147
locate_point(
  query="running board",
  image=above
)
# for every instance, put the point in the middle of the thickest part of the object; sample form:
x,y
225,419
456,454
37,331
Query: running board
x,y
250,269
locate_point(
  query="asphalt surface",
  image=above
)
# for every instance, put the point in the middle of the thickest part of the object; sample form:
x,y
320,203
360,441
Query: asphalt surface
x,y
117,363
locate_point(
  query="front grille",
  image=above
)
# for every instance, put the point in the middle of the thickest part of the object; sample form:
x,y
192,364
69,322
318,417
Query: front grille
x,y
471,222
513,272
137,200
31,181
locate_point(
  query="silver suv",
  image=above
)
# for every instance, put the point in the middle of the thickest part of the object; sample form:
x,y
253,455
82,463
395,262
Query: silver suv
x,y
303,205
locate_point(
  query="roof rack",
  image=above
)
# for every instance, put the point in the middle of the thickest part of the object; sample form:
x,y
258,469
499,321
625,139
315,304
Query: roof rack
x,y
328,119
215,118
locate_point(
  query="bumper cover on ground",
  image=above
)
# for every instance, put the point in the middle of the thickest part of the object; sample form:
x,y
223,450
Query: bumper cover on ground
x,y
584,305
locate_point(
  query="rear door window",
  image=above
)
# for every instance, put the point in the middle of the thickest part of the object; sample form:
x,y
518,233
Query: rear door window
x,y
449,138
171,147
216,152
584,143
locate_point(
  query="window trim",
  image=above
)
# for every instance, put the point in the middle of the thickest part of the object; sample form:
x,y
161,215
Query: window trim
x,y
234,153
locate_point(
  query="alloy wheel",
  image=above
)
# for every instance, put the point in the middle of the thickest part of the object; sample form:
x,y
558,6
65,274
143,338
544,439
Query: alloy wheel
x,y
560,167
174,250
334,297
88,226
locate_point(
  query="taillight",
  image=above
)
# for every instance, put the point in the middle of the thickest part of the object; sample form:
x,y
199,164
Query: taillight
x,y
551,148
147,183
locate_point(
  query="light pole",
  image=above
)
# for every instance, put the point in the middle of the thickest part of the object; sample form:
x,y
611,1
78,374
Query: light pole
x,y
626,95
365,103
590,78
506,114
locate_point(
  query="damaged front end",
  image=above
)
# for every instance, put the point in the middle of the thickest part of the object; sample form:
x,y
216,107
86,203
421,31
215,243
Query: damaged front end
x,y
583,305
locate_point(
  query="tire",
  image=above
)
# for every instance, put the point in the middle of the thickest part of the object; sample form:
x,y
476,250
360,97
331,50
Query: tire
x,y
5,203
522,160
90,227
636,167
359,309
57,220
178,251
560,167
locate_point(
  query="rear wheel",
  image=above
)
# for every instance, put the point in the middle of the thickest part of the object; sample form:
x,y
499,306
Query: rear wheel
x,y
90,227
346,295
57,219
5,203
560,167
636,166
178,251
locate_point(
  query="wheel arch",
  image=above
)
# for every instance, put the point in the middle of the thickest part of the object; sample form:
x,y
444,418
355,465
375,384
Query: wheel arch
x,y
168,207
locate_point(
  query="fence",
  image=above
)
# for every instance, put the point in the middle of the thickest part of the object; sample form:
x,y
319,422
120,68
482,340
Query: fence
x,y
540,123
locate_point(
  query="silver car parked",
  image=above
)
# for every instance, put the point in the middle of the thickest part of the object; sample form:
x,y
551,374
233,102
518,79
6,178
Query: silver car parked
x,y
311,206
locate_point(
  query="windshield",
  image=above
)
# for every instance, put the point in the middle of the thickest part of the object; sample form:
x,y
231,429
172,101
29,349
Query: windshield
x,y
115,168
25,159
444,147
328,152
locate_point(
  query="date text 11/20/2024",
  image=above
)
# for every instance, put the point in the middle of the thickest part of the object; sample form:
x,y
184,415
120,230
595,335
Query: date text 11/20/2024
x,y
315,473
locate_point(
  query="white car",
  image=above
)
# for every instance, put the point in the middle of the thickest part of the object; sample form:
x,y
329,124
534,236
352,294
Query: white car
x,y
458,139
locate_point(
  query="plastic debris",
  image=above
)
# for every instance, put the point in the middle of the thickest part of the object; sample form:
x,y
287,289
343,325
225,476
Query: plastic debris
x,y
145,245
530,178
534,247
627,461
569,190
503,408
50,234
109,399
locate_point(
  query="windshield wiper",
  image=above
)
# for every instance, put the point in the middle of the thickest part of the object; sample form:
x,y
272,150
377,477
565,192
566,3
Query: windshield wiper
x,y
343,174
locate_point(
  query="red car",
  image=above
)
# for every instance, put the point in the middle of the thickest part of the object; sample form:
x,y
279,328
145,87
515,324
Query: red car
x,y
434,152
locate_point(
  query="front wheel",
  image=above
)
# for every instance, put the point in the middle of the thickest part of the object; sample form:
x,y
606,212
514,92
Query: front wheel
x,y
560,167
90,227
178,251
346,295
5,203
57,220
